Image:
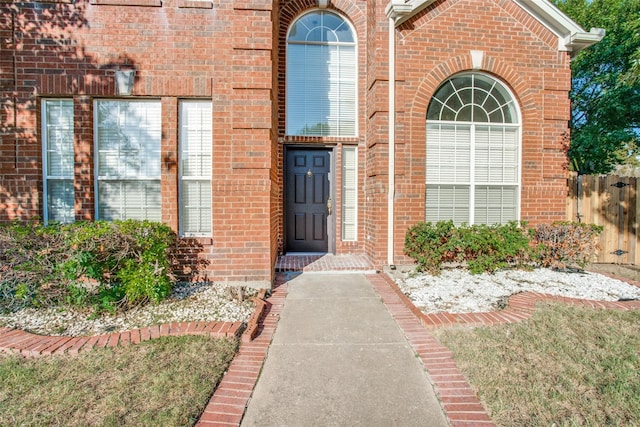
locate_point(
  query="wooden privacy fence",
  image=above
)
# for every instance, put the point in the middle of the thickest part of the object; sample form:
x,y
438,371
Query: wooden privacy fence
x,y
610,201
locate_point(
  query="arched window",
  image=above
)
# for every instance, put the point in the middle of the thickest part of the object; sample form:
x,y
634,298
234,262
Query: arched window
x,y
473,152
321,76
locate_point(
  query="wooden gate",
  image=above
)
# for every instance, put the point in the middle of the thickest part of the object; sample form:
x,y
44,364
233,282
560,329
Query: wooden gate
x,y
609,201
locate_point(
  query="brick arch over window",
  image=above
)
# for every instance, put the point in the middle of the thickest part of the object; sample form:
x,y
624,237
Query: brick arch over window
x,y
321,76
419,102
473,152
289,13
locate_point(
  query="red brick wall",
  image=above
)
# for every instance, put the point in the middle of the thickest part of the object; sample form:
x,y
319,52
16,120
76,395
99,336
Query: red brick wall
x,y
355,13
433,46
179,50
234,53
83,150
375,217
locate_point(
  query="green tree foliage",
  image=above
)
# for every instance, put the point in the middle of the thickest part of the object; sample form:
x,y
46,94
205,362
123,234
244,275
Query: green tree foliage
x,y
605,96
632,76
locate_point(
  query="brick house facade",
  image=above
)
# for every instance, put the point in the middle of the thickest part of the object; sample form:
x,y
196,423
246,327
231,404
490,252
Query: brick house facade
x,y
294,158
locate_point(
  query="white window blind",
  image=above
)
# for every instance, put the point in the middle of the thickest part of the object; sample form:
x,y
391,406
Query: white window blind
x,y
495,205
58,160
473,158
321,77
349,194
447,202
496,149
128,137
449,153
196,140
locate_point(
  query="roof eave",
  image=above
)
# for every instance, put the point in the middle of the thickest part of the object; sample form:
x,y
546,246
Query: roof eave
x,y
575,42
401,10
397,10
571,36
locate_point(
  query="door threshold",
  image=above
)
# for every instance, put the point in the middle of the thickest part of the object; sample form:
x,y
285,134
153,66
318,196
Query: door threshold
x,y
306,253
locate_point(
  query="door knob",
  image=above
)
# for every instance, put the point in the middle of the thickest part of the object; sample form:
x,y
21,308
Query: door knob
x,y
329,205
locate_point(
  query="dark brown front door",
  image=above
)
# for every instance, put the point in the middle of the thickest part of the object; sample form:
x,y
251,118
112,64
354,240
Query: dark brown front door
x,y
306,195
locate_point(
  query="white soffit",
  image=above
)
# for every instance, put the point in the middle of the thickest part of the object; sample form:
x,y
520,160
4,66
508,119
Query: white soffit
x,y
571,36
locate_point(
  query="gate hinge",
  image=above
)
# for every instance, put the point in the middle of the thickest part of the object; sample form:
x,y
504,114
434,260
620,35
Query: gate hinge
x,y
619,184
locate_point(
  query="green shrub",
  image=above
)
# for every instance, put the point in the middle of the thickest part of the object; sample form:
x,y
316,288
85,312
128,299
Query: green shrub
x,y
487,248
428,244
566,244
484,248
107,265
481,248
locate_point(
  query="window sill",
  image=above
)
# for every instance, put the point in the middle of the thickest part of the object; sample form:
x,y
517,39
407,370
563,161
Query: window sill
x,y
195,4
321,139
148,3
43,1
203,240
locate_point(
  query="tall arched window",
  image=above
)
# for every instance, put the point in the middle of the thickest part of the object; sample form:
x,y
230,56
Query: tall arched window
x,y
473,152
321,76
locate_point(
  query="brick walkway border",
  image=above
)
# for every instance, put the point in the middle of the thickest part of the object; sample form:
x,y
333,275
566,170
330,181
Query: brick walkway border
x,y
16,341
461,404
32,345
230,399
227,405
520,306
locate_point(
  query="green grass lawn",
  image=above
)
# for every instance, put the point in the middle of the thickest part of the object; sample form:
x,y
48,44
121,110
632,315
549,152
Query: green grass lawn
x,y
565,366
162,382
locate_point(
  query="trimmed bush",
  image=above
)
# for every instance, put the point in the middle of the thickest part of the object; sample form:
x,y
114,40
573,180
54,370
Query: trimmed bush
x,y
488,248
104,265
429,245
567,244
481,248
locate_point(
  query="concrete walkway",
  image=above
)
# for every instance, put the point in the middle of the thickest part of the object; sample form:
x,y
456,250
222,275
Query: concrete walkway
x,y
338,358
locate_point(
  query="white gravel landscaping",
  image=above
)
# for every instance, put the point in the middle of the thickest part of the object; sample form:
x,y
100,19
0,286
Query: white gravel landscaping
x,y
454,291
457,291
188,302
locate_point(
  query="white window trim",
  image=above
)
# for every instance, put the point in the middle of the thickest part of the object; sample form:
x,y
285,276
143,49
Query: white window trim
x,y
183,178
355,214
45,159
97,177
519,125
356,67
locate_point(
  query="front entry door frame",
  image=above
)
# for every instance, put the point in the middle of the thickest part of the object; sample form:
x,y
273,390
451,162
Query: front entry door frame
x,y
288,182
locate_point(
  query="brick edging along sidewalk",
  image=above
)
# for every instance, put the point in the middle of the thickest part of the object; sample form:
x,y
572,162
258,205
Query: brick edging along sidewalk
x,y
33,345
229,401
27,344
460,403
519,307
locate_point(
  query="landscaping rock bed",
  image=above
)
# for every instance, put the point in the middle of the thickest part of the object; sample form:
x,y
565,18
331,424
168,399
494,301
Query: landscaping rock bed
x,y
457,291
188,302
